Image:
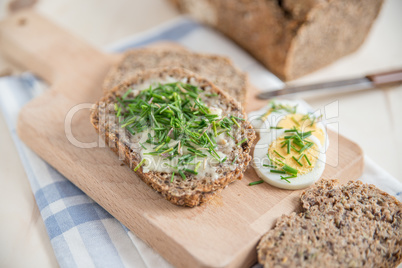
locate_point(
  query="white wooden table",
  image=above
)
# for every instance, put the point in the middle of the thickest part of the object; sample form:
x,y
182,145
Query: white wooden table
x,y
372,118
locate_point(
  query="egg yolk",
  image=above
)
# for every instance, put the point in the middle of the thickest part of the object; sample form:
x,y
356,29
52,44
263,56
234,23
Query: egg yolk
x,y
278,153
302,123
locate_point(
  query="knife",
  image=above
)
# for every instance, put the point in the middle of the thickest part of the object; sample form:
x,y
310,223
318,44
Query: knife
x,y
367,82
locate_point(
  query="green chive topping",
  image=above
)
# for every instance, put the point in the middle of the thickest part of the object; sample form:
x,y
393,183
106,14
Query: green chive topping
x,y
191,171
182,175
142,145
197,166
307,146
242,141
174,111
308,161
286,178
270,166
255,182
295,121
290,170
140,164
297,161
277,171
279,154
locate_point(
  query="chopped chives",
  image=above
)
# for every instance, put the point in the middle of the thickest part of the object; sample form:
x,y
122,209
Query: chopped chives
x,y
139,164
171,180
286,178
290,170
191,171
130,130
279,154
277,171
301,156
270,166
312,123
142,145
238,118
255,182
297,161
211,95
269,157
308,161
227,132
127,92
182,175
307,146
174,111
160,146
242,141
234,160
276,127
278,161
167,151
294,120
197,166
234,121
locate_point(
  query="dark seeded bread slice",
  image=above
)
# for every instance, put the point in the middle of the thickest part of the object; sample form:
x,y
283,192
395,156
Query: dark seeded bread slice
x,y
192,191
352,225
219,70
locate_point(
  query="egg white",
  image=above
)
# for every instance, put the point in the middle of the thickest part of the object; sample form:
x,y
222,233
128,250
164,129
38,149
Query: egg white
x,y
301,181
274,118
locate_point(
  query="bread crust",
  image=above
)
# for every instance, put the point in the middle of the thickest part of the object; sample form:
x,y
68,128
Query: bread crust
x,y
218,69
352,225
191,192
291,38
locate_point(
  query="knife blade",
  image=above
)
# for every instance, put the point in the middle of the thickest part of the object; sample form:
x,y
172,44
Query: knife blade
x,y
367,82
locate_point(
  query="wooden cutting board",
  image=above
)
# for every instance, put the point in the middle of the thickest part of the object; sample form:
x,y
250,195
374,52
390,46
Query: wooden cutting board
x,y
222,233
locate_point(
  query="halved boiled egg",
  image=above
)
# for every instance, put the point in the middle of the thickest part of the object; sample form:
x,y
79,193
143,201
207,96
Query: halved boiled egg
x,y
289,158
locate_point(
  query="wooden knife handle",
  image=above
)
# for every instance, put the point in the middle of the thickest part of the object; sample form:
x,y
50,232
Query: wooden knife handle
x,y
47,50
386,78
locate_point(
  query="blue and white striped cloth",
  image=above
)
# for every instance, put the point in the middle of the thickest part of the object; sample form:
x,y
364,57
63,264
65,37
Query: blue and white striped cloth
x,y
82,233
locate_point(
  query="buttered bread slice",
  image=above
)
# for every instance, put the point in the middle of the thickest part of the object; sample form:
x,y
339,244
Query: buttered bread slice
x,y
182,135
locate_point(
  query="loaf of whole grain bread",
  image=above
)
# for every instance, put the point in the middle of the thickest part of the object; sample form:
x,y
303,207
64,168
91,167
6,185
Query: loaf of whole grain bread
x,y
218,69
180,189
352,225
290,37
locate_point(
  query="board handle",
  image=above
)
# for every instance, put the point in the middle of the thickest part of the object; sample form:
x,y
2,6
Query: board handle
x,y
34,43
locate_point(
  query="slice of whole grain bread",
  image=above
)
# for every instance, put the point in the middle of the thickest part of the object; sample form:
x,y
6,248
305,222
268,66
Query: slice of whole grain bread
x,y
192,191
352,225
218,69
